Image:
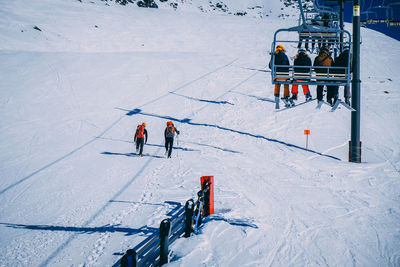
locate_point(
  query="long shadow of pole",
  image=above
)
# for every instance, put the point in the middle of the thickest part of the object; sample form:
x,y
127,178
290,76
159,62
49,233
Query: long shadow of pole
x,y
189,122
203,100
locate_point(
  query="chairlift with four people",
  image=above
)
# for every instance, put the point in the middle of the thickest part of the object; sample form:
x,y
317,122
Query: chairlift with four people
x,y
322,35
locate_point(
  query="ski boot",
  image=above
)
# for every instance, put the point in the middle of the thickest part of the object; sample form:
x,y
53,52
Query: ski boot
x,y
320,103
276,102
347,100
335,99
286,101
291,100
308,97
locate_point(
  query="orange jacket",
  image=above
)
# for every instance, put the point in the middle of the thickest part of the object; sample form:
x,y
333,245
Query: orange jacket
x,y
323,59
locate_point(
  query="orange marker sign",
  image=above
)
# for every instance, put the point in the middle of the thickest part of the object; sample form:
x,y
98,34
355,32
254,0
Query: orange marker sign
x,y
307,133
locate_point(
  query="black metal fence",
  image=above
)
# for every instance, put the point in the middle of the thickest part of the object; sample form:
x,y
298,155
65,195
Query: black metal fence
x,y
154,250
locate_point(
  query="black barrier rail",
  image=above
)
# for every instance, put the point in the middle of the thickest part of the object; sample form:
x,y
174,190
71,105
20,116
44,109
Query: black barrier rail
x,y
153,251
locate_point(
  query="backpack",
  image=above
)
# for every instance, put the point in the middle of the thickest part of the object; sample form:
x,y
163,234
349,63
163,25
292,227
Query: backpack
x,y
170,131
140,131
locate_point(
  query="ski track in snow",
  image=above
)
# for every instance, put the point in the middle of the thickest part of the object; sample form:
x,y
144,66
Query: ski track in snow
x,y
100,243
102,240
106,130
150,186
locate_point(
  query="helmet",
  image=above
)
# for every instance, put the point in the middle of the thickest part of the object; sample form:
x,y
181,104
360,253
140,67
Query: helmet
x,y
280,47
169,123
324,48
144,124
302,51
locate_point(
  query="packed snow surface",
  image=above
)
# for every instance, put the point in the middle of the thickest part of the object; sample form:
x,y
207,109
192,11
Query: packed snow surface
x,y
76,78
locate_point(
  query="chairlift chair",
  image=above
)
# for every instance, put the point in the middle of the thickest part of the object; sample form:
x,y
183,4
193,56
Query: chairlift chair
x,y
325,18
318,24
393,13
378,8
321,7
331,76
335,76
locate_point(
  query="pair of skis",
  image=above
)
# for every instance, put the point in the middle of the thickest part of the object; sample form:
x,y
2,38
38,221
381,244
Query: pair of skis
x,y
289,103
335,106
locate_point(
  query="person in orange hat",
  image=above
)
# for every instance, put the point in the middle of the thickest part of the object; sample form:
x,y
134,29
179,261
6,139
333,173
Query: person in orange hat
x,y
140,138
280,58
169,135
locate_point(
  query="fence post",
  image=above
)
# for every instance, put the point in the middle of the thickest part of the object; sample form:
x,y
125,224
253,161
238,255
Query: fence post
x,y
164,242
199,208
129,259
208,195
189,206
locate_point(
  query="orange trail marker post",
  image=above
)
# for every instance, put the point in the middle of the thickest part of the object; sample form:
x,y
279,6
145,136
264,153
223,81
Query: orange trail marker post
x,y
307,133
209,195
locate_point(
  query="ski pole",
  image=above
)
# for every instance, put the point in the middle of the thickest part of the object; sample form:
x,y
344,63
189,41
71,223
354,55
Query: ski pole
x,y
177,143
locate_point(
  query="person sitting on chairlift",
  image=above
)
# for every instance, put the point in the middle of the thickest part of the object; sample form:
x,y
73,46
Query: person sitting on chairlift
x,y
280,58
342,61
301,59
324,59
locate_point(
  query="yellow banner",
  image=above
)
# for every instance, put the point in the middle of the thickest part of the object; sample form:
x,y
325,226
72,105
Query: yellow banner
x,y
356,11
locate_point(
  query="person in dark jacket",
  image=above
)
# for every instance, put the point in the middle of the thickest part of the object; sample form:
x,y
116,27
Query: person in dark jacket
x,y
169,134
280,58
324,59
140,138
301,59
343,61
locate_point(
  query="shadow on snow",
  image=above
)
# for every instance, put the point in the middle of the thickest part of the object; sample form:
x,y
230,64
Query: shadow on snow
x,y
178,147
256,97
189,122
84,230
130,154
106,228
219,148
203,100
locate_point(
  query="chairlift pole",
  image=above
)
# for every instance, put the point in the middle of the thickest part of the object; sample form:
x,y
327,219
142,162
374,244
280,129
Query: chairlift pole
x,y
302,14
355,146
341,24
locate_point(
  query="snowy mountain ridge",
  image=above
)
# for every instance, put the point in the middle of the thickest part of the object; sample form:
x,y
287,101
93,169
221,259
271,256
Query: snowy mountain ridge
x,y
45,25
255,8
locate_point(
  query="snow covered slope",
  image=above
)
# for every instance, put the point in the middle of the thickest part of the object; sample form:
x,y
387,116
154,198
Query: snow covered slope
x,y
74,193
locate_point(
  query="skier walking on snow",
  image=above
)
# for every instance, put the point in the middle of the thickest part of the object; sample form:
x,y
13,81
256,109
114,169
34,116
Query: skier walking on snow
x,y
140,138
169,134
